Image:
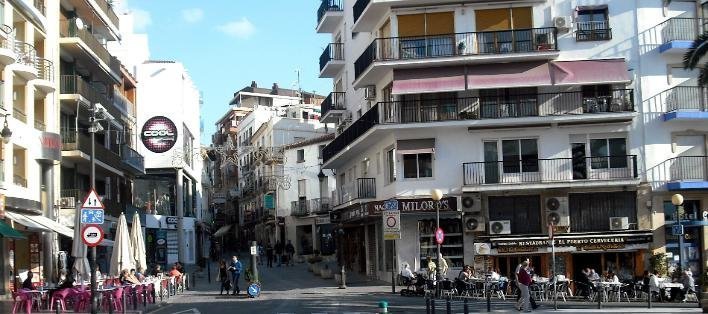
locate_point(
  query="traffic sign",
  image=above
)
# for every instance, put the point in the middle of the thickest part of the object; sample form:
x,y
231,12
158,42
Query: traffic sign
x,y
92,235
677,230
254,290
92,216
92,200
439,236
392,224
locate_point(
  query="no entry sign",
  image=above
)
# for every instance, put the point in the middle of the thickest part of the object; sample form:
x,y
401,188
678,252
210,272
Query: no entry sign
x,y
439,236
92,235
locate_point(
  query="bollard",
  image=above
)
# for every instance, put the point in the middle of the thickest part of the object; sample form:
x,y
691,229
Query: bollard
x,y
599,300
427,305
56,306
110,302
448,305
649,298
467,306
432,305
383,307
489,299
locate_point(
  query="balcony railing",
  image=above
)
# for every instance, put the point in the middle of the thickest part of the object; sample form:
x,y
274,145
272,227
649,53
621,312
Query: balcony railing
x,y
361,188
359,7
68,28
132,158
299,208
679,28
26,54
334,101
459,44
593,30
74,84
334,51
350,134
320,205
688,168
686,98
550,170
108,9
45,69
72,140
19,114
532,105
328,6
123,103
39,4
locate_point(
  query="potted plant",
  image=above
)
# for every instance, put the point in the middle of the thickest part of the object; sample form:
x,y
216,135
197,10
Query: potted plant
x,y
658,264
461,48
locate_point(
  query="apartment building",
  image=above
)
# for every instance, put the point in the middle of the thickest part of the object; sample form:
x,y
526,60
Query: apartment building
x,y
525,114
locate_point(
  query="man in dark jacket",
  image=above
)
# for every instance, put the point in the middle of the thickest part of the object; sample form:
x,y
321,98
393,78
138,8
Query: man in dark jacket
x,y
290,251
279,252
235,268
269,254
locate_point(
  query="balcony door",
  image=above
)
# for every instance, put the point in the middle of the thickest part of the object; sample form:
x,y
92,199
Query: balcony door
x,y
509,102
580,167
504,30
491,163
428,107
426,35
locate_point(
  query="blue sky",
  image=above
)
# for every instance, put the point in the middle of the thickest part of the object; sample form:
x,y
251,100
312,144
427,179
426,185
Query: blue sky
x,y
225,44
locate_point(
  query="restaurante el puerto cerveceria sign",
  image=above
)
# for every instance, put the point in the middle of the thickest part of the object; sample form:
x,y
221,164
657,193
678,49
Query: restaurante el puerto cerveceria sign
x,y
586,243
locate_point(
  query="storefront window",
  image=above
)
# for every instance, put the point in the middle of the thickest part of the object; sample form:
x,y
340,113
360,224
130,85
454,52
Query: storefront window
x,y
451,249
155,195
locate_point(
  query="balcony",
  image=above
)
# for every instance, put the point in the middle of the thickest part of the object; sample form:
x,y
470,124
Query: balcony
x,y
85,46
329,15
7,46
123,104
333,107
550,173
26,62
76,88
107,8
133,159
332,60
76,147
320,205
19,181
19,114
112,207
271,155
678,34
39,5
593,31
302,208
517,106
359,189
299,208
687,173
384,54
684,103
45,76
351,133
39,125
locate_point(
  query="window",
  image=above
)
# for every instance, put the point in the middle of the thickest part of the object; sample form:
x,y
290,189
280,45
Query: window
x,y
597,98
301,184
592,24
524,212
591,211
424,35
417,165
509,102
391,165
520,156
300,155
494,27
608,153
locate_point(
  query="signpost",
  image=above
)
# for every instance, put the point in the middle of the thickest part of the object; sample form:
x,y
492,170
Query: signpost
x,y
92,235
392,230
551,228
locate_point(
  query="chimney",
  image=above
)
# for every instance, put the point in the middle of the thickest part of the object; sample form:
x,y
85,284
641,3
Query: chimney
x,y
253,84
274,91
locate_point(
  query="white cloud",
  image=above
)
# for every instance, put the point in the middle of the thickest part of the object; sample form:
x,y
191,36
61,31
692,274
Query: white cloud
x,y
141,19
242,28
192,15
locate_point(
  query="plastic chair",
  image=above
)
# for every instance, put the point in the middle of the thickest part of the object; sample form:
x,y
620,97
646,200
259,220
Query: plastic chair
x,y
19,299
446,288
115,301
61,296
150,292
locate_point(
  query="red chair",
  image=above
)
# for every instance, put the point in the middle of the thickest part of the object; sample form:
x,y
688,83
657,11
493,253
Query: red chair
x,y
19,299
150,291
60,295
116,301
82,300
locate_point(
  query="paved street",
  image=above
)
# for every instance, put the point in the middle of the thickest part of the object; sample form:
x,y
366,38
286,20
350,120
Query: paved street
x,y
295,290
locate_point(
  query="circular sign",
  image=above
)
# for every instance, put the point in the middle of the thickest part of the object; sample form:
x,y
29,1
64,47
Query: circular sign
x,y
439,236
254,290
159,134
161,241
391,222
92,235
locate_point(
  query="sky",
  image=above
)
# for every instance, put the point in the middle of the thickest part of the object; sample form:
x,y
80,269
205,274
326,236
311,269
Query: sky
x,y
226,44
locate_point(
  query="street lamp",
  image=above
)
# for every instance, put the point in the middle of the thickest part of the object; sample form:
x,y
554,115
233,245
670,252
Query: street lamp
x,y
6,133
677,200
437,195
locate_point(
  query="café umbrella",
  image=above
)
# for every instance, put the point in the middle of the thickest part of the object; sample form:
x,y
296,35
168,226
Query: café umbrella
x,y
138,244
78,250
122,256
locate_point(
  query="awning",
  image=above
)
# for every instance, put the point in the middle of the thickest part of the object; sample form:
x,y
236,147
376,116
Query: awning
x,y
418,146
8,232
509,75
606,71
428,80
222,231
40,223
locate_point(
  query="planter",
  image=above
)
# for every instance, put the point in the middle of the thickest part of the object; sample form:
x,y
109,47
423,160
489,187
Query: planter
x,y
326,273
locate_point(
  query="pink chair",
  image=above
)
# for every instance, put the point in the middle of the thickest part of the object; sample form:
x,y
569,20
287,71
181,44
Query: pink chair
x,y
61,296
82,300
19,299
150,291
116,302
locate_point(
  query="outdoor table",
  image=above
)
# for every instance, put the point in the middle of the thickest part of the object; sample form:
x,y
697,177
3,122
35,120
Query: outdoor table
x,y
40,296
670,286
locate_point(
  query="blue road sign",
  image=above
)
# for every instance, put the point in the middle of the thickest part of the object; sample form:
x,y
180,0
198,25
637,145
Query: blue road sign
x,y
254,290
677,230
92,216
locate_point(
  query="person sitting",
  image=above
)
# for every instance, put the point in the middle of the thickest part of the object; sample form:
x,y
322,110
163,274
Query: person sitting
x,y
139,274
492,274
27,283
465,274
157,270
593,276
407,276
67,283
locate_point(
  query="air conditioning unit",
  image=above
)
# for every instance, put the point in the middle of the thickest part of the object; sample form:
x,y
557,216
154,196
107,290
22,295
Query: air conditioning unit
x,y
562,22
471,202
500,227
370,92
619,223
474,222
557,211
67,202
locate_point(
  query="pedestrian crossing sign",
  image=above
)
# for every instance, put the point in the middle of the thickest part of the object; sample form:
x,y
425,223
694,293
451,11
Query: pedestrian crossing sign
x,y
92,200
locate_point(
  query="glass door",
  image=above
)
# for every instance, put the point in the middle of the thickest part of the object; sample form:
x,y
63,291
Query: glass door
x,y
580,170
491,163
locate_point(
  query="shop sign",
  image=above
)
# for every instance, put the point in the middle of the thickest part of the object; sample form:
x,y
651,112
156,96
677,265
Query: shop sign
x,y
171,220
415,205
581,244
159,134
51,146
268,201
322,220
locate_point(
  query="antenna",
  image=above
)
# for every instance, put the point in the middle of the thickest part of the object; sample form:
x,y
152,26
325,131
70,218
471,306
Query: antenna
x,y
299,89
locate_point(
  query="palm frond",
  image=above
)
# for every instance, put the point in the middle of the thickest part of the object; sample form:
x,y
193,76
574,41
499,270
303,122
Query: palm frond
x,y
698,49
703,75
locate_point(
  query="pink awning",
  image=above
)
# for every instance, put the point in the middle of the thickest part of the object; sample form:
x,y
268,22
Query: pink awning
x,y
608,71
508,75
428,80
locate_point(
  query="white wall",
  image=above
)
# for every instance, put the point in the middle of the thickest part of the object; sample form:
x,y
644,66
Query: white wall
x,y
307,170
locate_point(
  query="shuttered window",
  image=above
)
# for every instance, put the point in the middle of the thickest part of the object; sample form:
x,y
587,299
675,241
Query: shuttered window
x,y
592,211
524,212
504,19
412,25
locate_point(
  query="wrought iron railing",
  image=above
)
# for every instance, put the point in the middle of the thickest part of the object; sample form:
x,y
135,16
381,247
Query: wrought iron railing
x,y
593,30
350,134
515,171
679,28
39,5
361,188
685,98
359,7
39,125
334,51
334,101
19,181
328,6
45,69
132,158
26,54
299,208
19,114
688,168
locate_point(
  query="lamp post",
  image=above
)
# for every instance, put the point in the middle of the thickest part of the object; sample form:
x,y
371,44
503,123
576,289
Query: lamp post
x,y
437,195
677,200
6,133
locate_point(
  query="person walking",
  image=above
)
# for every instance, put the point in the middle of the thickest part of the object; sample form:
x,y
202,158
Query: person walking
x,y
236,268
524,281
269,254
290,250
279,252
261,252
223,278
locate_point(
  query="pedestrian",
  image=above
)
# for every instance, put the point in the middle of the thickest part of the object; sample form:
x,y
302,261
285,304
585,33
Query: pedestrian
x,y
524,281
269,254
223,278
260,251
235,268
290,250
279,252
518,290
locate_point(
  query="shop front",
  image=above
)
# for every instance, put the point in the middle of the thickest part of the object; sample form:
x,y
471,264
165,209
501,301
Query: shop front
x,y
162,242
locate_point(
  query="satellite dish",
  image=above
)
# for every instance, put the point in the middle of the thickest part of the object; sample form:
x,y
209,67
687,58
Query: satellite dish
x,y
79,23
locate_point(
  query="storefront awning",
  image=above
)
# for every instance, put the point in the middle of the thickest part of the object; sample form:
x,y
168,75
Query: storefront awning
x,y
608,71
222,231
428,80
8,232
40,223
509,75
418,146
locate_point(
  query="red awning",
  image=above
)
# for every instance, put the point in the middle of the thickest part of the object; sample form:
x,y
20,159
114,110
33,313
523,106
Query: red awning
x,y
428,80
509,75
608,71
